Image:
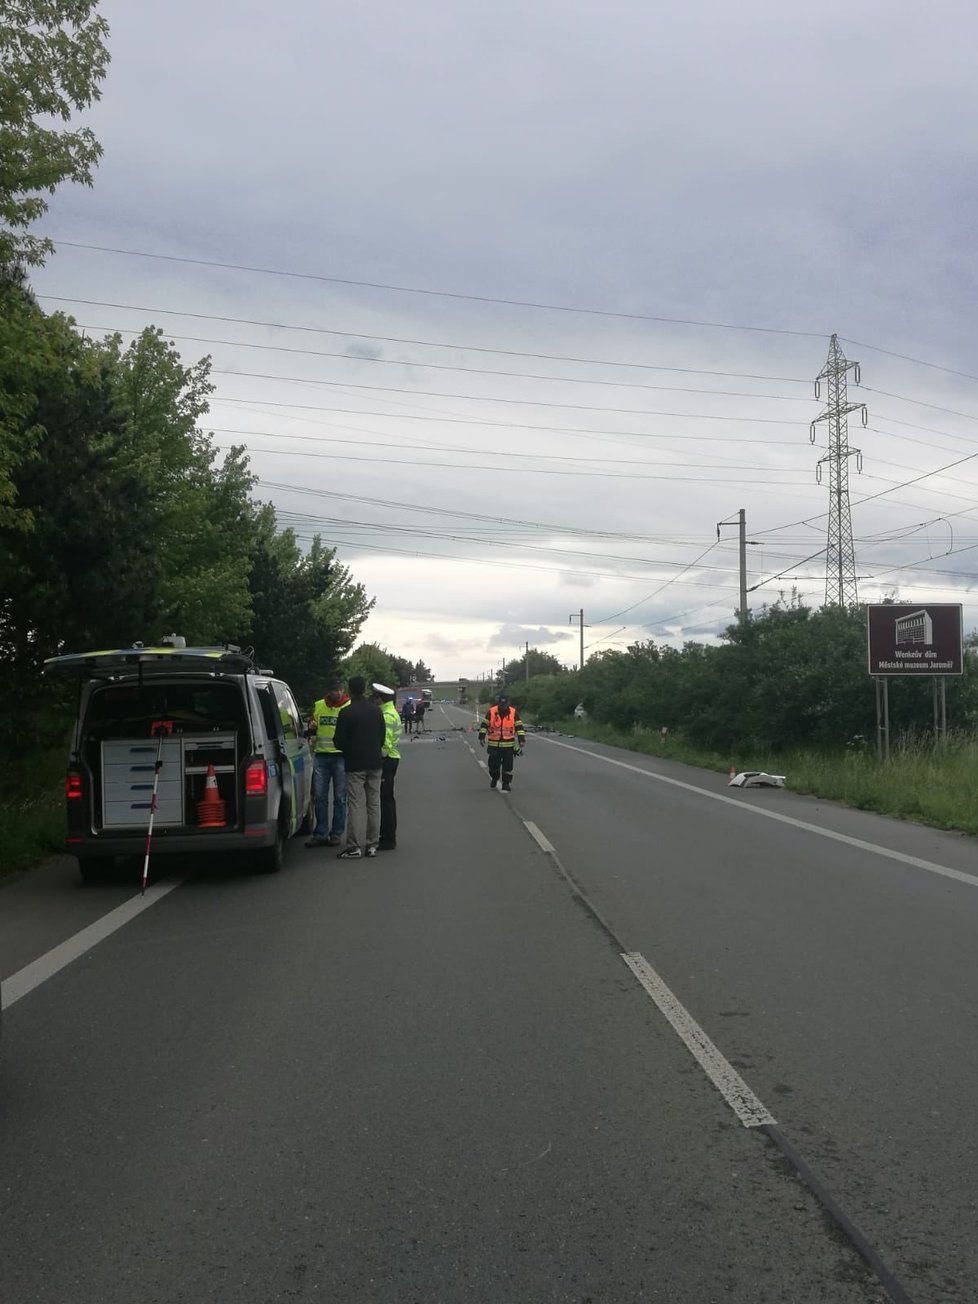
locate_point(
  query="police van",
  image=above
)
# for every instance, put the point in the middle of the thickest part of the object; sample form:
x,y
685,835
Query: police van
x,y
235,769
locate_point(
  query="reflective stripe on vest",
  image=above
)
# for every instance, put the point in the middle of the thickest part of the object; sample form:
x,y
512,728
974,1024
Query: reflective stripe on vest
x,y
502,728
326,717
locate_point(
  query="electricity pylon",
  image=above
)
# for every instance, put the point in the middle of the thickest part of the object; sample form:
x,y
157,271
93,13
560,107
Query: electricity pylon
x,y
840,555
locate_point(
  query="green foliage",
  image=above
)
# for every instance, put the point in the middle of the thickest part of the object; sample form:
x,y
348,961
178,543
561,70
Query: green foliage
x,y
374,663
377,665
307,609
52,59
792,677
23,358
123,524
132,527
541,663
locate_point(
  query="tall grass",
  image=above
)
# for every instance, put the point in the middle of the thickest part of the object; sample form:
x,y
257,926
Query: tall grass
x,y
925,781
31,809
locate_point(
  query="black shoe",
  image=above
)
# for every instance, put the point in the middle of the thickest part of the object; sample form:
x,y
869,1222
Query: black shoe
x,y
492,783
507,787
386,846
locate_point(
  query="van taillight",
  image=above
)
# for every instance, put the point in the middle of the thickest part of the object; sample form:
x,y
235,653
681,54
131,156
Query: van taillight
x,y
74,788
256,779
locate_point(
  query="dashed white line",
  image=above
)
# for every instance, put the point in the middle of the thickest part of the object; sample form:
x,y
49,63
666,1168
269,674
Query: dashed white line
x,y
751,1111
539,839
930,866
47,965
735,1091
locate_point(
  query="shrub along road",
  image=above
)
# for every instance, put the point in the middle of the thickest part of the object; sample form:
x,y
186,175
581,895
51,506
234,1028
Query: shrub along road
x,y
432,1076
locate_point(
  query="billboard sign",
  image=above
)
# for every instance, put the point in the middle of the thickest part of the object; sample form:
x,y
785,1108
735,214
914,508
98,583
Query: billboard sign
x,y
923,639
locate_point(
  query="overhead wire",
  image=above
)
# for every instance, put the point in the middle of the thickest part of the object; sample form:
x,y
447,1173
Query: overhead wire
x,y
441,366
492,452
440,294
455,345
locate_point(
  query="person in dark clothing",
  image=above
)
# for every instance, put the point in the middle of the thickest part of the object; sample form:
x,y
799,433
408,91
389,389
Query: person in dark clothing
x,y
360,735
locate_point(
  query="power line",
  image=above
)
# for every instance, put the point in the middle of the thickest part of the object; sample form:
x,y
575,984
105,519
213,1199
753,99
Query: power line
x,y
527,470
522,547
919,402
476,371
935,366
518,402
492,561
655,593
428,510
440,294
490,452
509,425
774,529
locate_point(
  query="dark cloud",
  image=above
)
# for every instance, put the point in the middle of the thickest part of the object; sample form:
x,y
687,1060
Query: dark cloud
x,y
508,636
369,352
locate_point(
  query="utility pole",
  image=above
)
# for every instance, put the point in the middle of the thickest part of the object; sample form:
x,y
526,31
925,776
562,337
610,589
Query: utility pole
x,y
742,522
527,664
840,554
579,617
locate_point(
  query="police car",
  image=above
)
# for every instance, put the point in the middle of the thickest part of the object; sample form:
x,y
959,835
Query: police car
x,y
235,767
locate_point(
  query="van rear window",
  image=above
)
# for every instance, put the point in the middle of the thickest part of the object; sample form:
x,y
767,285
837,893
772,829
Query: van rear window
x,y
129,710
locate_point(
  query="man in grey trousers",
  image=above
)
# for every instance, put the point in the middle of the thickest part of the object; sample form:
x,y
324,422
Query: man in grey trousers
x,y
360,734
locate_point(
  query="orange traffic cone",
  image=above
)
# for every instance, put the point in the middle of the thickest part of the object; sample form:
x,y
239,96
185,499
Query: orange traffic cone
x,y
210,811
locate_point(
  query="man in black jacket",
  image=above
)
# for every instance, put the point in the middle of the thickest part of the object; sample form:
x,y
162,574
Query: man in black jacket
x,y
360,734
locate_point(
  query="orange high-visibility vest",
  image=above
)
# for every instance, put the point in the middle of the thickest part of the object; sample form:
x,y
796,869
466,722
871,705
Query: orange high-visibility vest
x,y
502,728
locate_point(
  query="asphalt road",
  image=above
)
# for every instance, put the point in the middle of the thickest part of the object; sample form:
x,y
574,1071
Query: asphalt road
x,y
433,1077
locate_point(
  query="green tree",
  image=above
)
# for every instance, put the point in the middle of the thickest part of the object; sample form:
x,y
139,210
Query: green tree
x,y
541,663
307,609
52,60
372,662
403,671
24,359
133,529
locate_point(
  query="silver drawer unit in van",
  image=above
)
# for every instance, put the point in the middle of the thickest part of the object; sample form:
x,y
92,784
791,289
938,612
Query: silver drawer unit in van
x,y
128,766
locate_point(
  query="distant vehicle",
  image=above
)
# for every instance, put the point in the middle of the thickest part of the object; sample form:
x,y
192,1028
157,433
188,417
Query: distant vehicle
x,y
214,710
416,691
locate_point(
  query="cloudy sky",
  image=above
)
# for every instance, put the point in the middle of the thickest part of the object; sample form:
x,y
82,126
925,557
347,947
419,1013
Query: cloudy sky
x,y
514,303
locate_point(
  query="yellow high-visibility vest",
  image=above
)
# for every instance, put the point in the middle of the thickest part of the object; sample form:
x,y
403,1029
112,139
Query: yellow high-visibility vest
x,y
326,717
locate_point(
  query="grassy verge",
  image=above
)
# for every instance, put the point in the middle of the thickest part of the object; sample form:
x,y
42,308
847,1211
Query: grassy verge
x,y
936,786
31,811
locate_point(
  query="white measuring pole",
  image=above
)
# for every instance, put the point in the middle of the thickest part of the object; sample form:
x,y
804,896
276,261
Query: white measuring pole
x,y
162,731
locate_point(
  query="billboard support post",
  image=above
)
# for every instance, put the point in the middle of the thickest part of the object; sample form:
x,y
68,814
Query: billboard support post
x,y
882,717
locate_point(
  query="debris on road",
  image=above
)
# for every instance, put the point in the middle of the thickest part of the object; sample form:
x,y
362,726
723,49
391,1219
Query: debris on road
x,y
755,779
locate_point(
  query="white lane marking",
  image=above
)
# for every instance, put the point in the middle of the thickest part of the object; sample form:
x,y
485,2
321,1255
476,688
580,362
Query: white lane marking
x,y
735,1091
475,756
539,839
929,865
47,965
751,1111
